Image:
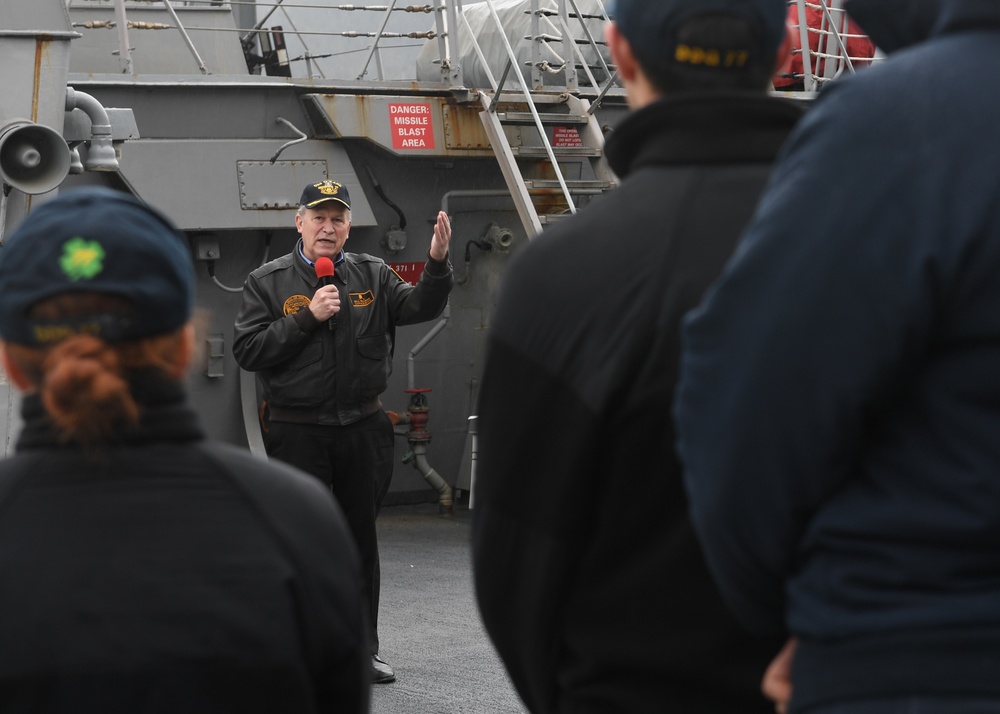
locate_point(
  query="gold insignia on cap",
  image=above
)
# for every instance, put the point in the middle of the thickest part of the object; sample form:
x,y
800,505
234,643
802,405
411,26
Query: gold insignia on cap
x,y
710,57
294,304
328,187
45,334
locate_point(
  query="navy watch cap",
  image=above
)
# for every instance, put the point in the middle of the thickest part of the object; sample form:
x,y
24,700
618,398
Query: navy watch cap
x,y
96,240
651,26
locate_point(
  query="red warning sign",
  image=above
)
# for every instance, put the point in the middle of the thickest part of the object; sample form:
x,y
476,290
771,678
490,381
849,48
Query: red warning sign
x,y
409,272
566,137
411,126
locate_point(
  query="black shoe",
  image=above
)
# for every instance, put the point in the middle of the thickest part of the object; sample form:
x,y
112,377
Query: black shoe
x,y
381,672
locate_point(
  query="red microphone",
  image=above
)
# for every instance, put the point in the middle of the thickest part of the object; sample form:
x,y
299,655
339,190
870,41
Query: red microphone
x,y
324,271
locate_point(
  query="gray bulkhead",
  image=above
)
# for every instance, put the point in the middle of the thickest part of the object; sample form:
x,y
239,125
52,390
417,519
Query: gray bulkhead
x,y
225,147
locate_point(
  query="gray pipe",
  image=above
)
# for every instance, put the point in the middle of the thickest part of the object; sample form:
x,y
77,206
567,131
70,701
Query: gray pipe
x,y
432,477
425,340
419,449
473,432
101,154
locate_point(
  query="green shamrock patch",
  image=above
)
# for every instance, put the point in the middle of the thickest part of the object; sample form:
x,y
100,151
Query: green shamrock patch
x,y
82,258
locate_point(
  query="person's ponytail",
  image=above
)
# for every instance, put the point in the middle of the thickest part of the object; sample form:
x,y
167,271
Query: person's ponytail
x,y
83,381
85,392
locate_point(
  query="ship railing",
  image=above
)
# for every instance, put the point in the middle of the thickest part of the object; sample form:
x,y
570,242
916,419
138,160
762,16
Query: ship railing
x,y
827,45
272,54
121,24
571,54
573,35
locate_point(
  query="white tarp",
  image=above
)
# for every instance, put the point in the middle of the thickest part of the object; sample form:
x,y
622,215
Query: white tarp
x,y
515,17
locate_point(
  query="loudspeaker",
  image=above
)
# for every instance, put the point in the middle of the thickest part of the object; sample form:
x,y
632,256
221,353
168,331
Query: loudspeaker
x,y
33,158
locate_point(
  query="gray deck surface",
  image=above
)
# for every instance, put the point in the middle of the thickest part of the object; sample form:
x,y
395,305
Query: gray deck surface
x,y
429,623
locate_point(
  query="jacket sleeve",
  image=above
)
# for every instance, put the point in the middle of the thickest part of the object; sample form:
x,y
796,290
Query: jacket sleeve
x,y
533,493
792,357
264,337
411,304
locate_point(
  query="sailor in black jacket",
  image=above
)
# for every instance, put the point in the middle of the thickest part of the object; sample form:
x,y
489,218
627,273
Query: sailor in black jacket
x,y
588,575
143,568
848,362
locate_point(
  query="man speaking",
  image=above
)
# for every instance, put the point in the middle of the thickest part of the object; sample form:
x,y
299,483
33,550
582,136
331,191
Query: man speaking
x,y
322,346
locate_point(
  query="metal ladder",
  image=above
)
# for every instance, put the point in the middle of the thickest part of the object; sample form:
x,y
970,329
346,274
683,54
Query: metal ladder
x,y
537,148
535,170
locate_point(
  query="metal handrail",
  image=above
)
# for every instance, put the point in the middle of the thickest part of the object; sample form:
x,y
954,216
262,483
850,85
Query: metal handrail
x,y
449,17
842,45
818,66
374,48
124,48
832,53
482,58
184,34
512,57
593,42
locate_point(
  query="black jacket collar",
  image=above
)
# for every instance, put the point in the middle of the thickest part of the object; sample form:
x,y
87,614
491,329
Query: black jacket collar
x,y
166,416
702,128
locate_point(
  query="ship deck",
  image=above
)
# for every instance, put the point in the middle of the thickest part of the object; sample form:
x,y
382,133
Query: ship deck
x,y
429,623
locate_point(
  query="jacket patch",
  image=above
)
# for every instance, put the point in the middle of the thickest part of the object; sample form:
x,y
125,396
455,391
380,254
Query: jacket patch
x,y
362,299
294,304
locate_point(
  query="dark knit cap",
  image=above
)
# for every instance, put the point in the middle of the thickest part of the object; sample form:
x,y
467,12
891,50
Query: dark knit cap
x,y
102,241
